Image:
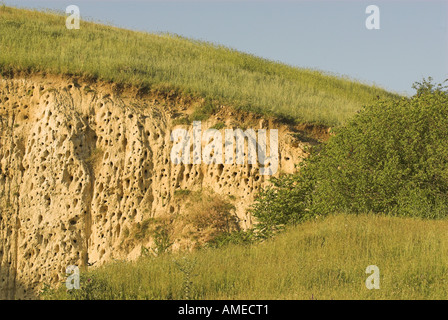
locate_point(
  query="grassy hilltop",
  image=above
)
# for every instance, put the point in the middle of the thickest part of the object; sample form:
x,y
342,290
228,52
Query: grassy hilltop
x,y
35,41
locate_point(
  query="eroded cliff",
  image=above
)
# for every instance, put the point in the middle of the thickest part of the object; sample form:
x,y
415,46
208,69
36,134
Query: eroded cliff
x,y
81,164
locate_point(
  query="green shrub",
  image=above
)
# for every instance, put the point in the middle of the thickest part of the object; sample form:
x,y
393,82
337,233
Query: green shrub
x,y
162,239
284,202
392,158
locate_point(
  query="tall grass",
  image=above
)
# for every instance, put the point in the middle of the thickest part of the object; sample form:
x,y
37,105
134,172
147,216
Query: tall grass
x,y
321,259
36,41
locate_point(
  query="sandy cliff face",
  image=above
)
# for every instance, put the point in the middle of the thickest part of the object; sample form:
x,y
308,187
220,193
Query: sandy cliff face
x,y
80,163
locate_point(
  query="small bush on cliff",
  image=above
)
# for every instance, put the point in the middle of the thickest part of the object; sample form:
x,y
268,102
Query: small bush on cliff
x,y
162,239
210,215
284,202
392,158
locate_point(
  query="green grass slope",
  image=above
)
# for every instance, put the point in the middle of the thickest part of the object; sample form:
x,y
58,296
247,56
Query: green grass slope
x,y
35,41
320,259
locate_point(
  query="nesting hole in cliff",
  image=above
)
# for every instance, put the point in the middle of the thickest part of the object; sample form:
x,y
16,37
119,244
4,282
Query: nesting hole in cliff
x,y
28,255
47,200
103,209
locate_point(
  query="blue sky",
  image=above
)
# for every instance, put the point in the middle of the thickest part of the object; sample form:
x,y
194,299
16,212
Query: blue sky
x,y
412,42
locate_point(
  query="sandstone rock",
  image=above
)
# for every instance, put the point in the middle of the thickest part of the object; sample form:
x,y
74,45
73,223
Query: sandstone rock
x,y
80,163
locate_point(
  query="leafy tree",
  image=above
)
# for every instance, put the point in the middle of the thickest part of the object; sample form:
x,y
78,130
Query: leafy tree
x,y
392,158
